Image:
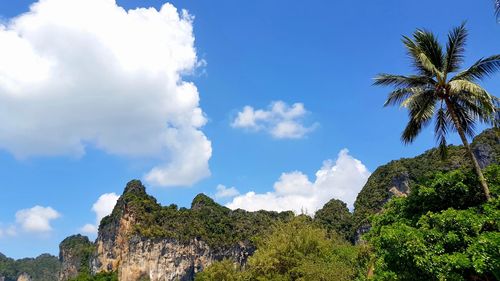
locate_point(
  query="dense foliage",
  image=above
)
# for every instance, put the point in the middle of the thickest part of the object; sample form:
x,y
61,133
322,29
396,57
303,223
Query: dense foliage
x,y
296,250
335,218
376,193
217,225
442,231
43,268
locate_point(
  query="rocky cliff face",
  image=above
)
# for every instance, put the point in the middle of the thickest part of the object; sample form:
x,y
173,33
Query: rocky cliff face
x,y
163,259
75,253
142,240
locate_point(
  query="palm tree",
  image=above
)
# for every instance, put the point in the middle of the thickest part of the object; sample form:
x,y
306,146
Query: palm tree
x,y
454,102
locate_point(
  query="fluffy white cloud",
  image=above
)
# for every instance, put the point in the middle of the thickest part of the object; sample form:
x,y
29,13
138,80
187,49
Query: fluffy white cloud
x,y
102,207
87,72
226,192
89,229
36,219
280,120
342,179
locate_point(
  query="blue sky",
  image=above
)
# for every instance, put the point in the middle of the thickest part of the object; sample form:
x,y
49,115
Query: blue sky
x,y
321,54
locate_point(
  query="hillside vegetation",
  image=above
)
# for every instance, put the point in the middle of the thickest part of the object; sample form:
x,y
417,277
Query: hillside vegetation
x,y
43,268
405,172
206,220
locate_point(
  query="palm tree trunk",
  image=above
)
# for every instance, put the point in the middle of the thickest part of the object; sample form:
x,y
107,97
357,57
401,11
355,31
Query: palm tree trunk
x,y
477,168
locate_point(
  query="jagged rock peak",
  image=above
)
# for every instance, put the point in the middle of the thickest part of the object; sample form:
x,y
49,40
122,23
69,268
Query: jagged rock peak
x,y
135,186
201,201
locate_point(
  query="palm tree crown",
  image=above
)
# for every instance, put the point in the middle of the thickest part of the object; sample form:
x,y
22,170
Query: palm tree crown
x,y
439,91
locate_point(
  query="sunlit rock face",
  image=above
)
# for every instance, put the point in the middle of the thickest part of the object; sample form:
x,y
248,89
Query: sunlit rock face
x,y
24,277
162,259
118,248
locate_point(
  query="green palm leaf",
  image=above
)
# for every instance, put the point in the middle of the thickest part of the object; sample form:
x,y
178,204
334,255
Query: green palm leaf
x,y
483,68
430,48
441,128
384,79
424,68
455,48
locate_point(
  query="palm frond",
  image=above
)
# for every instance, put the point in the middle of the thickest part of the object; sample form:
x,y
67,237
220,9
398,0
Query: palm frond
x,y
455,48
441,128
400,95
471,90
483,68
416,57
400,81
429,46
476,111
420,112
465,118
411,131
421,106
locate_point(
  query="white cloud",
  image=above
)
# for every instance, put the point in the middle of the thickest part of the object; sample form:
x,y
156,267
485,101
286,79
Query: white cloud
x,y
294,191
76,73
89,229
102,207
36,219
226,192
280,120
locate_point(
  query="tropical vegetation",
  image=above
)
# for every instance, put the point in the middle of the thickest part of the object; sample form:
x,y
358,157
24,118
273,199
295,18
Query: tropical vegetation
x,y
295,250
442,231
43,268
206,220
410,171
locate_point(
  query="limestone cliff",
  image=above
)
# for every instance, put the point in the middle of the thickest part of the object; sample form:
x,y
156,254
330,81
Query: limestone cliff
x,y
163,259
75,253
141,240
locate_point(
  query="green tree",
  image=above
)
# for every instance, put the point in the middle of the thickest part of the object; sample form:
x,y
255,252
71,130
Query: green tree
x,y
225,270
455,102
297,250
335,217
442,231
